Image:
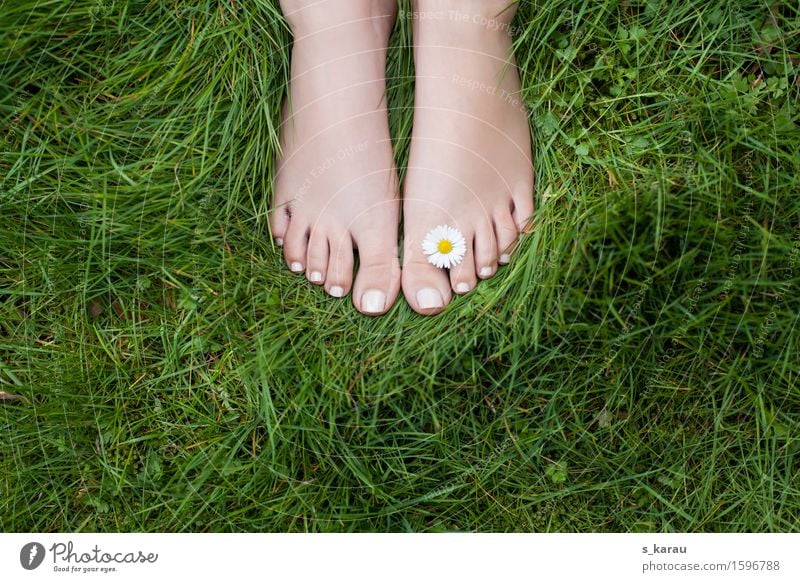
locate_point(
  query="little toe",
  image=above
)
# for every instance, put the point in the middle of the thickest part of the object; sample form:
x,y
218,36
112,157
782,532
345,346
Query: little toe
x,y
523,207
279,223
506,232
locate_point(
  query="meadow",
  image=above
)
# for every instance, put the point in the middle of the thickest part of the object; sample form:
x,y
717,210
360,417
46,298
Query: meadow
x,y
635,368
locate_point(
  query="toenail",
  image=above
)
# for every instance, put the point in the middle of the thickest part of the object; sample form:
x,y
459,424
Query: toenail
x,y
373,301
296,267
462,288
315,277
429,299
279,242
336,292
486,272
505,259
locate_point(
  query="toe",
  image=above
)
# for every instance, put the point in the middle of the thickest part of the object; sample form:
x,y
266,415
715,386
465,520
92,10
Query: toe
x,y
426,288
317,261
279,223
523,207
295,246
485,252
378,279
462,276
339,278
506,232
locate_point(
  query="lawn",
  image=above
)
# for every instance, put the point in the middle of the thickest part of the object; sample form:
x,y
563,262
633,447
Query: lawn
x,y
634,369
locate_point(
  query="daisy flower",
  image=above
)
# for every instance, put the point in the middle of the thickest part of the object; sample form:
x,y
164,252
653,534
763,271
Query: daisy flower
x,y
445,246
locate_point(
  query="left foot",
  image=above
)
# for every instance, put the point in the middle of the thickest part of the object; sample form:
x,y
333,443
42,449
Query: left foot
x,y
336,188
470,165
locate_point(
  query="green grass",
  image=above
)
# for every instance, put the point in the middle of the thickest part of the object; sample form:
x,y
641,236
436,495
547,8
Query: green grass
x,y
634,369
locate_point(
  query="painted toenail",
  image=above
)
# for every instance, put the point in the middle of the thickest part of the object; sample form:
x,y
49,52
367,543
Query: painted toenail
x,y
505,259
429,299
315,277
462,288
486,272
336,292
297,267
373,301
279,242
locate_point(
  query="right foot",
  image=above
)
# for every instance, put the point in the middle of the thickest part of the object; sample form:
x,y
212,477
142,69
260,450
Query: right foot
x,y
336,187
470,164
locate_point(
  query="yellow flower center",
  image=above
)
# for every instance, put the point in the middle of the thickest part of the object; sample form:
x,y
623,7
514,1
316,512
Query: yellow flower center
x,y
445,246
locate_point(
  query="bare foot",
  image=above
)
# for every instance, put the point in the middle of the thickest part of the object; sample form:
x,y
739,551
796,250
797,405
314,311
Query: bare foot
x,y
336,189
470,165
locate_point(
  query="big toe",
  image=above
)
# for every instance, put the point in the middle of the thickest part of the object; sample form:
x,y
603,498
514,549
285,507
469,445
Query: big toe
x,y
426,288
378,279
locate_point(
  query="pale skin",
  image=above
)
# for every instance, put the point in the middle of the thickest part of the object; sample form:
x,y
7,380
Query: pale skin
x,y
470,166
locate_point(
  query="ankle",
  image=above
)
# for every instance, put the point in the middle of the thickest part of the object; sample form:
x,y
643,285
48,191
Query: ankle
x,y
307,18
467,17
